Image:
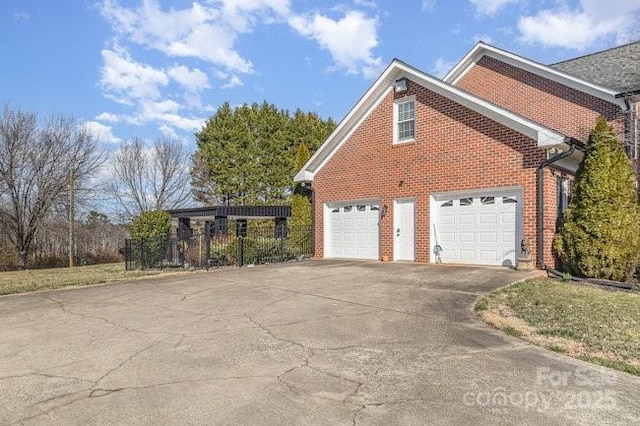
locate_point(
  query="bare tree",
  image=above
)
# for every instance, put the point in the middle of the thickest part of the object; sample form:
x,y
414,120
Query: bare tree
x,y
35,164
149,178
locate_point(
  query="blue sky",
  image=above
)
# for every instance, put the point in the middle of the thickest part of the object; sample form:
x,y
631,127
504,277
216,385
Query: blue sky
x,y
153,68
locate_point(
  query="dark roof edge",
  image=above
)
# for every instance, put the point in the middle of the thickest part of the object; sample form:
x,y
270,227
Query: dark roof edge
x,y
595,53
628,93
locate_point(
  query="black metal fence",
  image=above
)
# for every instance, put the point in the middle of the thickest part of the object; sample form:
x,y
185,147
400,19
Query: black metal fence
x,y
209,250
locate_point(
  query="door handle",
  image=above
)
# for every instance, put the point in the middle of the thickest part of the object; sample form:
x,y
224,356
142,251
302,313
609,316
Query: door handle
x,y
398,232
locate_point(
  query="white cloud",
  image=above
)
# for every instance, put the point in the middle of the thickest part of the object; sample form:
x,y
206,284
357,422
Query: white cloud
x,y
108,116
234,81
101,132
21,16
207,32
125,79
366,3
350,40
491,7
579,28
428,5
192,80
482,37
243,15
141,86
168,131
441,67
165,113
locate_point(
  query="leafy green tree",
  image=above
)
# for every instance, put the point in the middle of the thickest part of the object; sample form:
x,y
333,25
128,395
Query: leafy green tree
x,y
245,155
150,232
151,224
301,211
300,201
600,236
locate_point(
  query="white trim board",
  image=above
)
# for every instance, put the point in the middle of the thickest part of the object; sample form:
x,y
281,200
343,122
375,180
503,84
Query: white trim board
x,y
544,136
482,49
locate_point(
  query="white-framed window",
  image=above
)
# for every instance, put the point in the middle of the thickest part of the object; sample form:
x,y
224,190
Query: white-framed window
x,y
404,120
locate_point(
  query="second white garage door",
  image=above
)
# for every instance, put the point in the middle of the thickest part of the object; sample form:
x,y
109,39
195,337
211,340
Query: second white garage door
x,y
352,230
479,228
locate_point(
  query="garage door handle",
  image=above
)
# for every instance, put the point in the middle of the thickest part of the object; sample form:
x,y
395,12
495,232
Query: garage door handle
x,y
398,232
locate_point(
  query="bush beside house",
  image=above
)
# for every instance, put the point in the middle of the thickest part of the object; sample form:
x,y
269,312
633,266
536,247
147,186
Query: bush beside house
x,y
600,236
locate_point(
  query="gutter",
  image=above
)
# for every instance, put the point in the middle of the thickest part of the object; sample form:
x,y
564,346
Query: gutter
x,y
628,94
632,124
573,143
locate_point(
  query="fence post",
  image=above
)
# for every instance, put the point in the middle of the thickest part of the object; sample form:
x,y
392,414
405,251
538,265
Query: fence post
x,y
240,251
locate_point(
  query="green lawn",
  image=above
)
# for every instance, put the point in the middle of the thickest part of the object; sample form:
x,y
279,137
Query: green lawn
x,y
579,320
47,279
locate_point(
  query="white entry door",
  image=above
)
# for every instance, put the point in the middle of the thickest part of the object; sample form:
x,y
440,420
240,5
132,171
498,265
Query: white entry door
x,y
404,230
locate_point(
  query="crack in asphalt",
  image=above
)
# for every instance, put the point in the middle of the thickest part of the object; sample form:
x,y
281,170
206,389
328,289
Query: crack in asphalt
x,y
90,390
352,400
101,392
323,317
367,305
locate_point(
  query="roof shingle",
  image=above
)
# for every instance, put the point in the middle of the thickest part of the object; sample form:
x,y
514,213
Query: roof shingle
x,y
617,68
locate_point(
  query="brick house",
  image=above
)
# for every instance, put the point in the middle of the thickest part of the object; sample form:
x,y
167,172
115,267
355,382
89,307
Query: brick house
x,y
461,170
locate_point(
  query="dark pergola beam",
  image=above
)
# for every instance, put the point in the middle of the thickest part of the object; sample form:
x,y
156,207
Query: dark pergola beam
x,y
236,211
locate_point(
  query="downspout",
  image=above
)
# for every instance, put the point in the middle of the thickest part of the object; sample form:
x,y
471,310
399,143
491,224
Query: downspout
x,y
540,240
630,99
313,220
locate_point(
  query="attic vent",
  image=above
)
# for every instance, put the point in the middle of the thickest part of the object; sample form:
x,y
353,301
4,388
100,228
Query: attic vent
x,y
401,85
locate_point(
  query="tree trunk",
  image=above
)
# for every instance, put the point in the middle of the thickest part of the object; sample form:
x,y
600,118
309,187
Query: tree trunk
x,y
22,259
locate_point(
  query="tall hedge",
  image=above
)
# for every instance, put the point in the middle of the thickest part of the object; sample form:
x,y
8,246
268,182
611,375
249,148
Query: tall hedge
x,y
150,232
600,236
151,224
301,201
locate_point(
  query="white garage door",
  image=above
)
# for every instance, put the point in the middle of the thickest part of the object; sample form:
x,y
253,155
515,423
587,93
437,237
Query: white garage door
x,y
353,231
481,229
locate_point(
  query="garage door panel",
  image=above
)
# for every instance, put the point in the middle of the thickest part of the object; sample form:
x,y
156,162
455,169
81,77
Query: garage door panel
x,y
488,255
354,231
509,217
467,237
447,219
488,218
447,237
466,255
487,237
466,219
479,229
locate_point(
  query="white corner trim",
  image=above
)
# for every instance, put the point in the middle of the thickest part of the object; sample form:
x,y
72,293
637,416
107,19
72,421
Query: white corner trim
x,y
303,176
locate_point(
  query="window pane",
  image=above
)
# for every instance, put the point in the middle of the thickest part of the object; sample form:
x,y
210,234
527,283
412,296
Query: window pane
x,y
347,209
361,208
509,200
466,201
406,130
487,200
406,111
447,204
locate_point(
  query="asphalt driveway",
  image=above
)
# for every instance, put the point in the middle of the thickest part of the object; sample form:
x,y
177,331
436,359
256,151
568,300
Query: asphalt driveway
x,y
317,342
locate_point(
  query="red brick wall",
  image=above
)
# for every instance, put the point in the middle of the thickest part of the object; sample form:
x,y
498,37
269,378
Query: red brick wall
x,y
544,101
455,149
